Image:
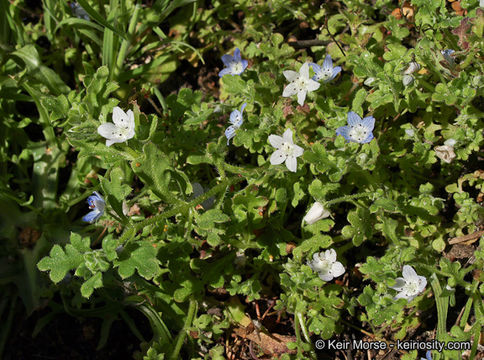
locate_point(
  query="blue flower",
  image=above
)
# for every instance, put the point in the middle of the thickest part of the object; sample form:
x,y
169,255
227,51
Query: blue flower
x,y
236,120
326,72
97,203
447,54
234,64
428,356
357,130
79,11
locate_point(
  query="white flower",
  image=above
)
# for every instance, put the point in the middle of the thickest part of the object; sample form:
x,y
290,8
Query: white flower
x,y
410,132
450,142
317,212
445,153
286,150
122,130
410,285
326,266
299,83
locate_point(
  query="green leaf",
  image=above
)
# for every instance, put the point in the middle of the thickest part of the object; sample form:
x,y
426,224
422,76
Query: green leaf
x,y
114,190
141,257
95,282
60,262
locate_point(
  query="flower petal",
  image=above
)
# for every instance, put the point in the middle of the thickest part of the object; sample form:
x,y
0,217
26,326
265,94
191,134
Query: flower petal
x,y
237,57
326,277
343,131
330,255
276,141
297,151
353,118
92,216
290,75
236,118
312,85
230,133
367,139
336,71
225,71
242,107
301,96
409,273
278,157
289,90
227,59
422,283
337,269
399,284
288,136
368,122
304,70
328,62
121,119
316,68
109,131
291,163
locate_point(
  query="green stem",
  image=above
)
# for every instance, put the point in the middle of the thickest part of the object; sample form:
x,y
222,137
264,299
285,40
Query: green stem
x,y
442,304
183,332
347,198
126,43
182,208
306,333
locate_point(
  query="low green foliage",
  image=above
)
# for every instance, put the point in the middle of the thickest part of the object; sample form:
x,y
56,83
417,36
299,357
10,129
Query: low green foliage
x,y
195,264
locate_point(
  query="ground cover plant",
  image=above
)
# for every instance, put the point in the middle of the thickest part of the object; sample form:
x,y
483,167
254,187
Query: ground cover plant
x,y
241,179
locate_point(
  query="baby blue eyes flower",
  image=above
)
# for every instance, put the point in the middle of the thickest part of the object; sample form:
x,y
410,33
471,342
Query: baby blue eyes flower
x,y
234,64
428,355
448,56
236,120
97,204
325,72
357,130
300,83
122,130
79,11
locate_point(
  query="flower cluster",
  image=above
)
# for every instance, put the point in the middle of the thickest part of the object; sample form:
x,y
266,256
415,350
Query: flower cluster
x,y
357,130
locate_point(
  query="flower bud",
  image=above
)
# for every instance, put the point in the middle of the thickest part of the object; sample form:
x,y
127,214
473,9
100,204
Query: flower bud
x,y
317,212
412,67
407,80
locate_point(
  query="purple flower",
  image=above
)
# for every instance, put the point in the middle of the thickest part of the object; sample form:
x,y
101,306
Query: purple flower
x,y
97,204
357,130
234,65
326,72
236,120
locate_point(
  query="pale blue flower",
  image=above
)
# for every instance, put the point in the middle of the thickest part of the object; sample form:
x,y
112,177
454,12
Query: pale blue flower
x,y
428,355
79,11
357,130
235,65
97,204
325,72
448,56
236,120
